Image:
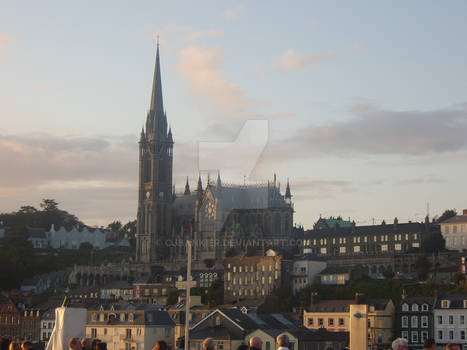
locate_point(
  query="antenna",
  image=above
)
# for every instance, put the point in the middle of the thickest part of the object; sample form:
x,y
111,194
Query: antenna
x,y
428,209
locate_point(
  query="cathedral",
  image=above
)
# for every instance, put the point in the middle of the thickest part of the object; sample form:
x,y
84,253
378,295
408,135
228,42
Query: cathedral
x,y
219,218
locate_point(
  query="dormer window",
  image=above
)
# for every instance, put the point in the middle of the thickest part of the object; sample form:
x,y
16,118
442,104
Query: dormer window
x,y
465,304
122,317
445,304
414,307
425,307
131,317
405,307
94,316
102,317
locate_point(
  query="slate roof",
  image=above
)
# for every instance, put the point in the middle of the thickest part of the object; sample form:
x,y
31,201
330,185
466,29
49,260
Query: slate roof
x,y
411,227
214,332
342,305
456,301
334,270
252,321
310,257
418,300
456,219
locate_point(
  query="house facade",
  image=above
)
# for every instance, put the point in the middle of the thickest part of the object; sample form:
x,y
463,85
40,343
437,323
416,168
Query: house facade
x,y
305,269
253,277
450,319
454,231
129,327
334,316
415,320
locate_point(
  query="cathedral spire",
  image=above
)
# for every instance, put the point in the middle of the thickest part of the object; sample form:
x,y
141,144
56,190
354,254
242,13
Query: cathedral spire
x,y
287,190
156,97
187,187
199,189
219,183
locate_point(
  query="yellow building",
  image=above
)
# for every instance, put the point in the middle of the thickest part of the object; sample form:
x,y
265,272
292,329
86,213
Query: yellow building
x,y
126,327
334,315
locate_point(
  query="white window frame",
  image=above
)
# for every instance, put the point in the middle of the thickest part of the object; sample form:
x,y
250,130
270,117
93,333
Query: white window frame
x,y
414,337
414,321
424,322
405,322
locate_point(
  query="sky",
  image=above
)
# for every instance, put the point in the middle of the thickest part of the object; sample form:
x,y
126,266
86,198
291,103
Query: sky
x,y
362,105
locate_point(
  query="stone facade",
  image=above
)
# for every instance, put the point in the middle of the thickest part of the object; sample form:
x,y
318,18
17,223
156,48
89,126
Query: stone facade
x,y
254,277
454,231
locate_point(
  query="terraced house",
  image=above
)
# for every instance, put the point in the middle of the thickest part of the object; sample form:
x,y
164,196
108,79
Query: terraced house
x,y
450,319
415,320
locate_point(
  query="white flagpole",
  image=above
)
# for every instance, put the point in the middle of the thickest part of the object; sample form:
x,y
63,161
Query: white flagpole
x,y
187,299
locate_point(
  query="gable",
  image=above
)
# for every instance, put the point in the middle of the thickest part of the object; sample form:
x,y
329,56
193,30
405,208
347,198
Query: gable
x,y
215,319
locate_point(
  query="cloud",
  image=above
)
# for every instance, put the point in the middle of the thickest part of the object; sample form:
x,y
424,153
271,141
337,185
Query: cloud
x,y
304,189
201,67
378,131
233,12
5,41
295,61
202,34
95,177
417,181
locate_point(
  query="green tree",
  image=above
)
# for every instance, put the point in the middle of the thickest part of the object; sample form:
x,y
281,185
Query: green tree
x,y
209,263
86,246
422,266
49,205
449,213
459,278
433,242
172,298
215,293
114,226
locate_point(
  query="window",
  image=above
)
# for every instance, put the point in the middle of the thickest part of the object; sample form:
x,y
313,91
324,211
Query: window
x,y
440,335
330,322
167,331
414,337
424,320
398,246
138,332
414,307
341,321
414,321
424,336
105,331
405,335
425,307
268,345
462,335
356,249
310,322
405,322
451,319
445,304
461,319
320,322
405,307
93,333
440,319
451,335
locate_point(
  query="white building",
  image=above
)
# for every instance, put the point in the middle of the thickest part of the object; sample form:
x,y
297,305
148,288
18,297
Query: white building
x,y
47,324
454,231
450,319
305,269
72,239
128,327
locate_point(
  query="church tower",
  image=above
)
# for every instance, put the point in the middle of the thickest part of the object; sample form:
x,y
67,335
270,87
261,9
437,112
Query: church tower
x,y
155,179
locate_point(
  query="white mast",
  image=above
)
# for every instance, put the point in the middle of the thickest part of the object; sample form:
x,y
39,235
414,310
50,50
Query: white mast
x,y
187,299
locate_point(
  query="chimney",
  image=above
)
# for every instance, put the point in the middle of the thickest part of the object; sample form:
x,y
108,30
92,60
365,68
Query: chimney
x,y
404,294
359,298
464,212
314,298
395,223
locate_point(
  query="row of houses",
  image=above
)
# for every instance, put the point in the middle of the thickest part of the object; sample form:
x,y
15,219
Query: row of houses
x,y
63,238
